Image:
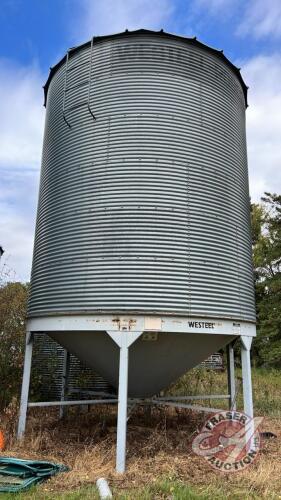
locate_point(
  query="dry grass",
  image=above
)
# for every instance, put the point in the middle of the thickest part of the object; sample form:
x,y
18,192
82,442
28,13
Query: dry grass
x,y
159,446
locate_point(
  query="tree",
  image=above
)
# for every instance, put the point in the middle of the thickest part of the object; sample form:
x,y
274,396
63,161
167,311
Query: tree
x,y
266,231
13,301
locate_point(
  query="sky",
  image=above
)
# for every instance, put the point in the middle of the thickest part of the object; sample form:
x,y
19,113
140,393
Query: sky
x,y
35,34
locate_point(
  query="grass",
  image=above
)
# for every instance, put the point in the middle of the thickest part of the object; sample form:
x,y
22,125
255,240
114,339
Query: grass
x,y
266,389
88,493
177,490
163,488
160,462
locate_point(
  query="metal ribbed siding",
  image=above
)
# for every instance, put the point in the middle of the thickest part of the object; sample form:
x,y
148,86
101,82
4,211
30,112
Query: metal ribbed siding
x,y
146,208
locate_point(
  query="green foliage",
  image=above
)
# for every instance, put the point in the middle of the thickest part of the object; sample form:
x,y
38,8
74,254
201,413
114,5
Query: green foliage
x,y
266,388
266,232
13,299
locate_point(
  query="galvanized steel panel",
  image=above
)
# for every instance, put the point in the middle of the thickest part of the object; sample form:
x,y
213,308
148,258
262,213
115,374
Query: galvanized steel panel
x,y
153,365
146,207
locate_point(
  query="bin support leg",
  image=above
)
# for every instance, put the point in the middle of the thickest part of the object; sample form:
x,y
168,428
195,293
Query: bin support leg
x,y
231,376
65,381
246,375
123,339
122,409
25,384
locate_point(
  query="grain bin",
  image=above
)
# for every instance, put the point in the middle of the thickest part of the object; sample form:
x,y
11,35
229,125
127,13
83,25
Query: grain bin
x,y
143,225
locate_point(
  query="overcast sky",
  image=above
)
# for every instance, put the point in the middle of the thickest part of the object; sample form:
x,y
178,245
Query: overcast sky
x,y
34,34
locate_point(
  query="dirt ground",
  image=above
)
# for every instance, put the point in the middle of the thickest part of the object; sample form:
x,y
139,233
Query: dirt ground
x,y
159,445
